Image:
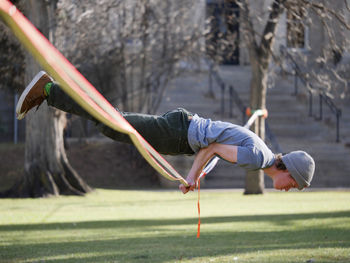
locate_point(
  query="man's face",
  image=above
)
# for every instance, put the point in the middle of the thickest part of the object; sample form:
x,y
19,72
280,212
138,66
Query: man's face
x,y
284,181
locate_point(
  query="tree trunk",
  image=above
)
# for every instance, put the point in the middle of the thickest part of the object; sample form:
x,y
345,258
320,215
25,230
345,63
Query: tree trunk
x,y
260,56
254,180
47,170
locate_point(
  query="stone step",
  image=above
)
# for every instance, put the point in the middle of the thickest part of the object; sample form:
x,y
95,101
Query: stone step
x,y
298,131
287,117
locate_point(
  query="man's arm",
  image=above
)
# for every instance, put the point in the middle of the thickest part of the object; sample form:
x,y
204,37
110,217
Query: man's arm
x,y
227,152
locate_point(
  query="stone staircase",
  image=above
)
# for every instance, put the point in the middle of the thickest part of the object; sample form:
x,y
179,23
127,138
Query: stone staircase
x,y
288,120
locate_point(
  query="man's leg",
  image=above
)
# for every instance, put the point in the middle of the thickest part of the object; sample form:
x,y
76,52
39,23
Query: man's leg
x,y
57,98
166,133
60,100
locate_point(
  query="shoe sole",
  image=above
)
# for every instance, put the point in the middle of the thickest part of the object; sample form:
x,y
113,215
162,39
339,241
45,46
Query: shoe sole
x,y
20,115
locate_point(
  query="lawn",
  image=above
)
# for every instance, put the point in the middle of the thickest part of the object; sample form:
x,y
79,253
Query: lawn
x,y
160,226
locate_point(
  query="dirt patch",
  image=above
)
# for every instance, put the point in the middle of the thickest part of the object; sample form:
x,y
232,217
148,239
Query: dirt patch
x,y
102,165
112,165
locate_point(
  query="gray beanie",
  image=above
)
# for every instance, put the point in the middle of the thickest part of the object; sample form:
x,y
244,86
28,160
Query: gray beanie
x,y
301,166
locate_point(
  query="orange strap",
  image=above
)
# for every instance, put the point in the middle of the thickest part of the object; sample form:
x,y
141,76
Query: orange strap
x,y
199,210
198,205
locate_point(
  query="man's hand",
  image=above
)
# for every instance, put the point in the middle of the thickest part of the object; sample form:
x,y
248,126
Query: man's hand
x,y
227,152
191,187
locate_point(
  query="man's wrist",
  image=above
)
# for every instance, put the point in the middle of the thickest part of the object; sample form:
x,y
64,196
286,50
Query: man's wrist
x,y
190,179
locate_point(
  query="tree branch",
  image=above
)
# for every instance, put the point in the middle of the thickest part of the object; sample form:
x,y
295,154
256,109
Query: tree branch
x,y
277,9
322,7
248,28
347,5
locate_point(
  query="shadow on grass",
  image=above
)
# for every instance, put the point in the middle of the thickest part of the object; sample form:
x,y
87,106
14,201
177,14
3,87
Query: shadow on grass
x,y
278,219
170,245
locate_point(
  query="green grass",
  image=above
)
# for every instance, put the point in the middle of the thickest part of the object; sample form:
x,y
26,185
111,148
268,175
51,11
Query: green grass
x,y
148,226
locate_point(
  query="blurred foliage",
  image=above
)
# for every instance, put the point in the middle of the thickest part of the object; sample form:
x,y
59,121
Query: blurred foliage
x,y
12,63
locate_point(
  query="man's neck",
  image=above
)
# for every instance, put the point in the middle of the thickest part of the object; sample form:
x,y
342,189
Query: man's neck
x,y
271,171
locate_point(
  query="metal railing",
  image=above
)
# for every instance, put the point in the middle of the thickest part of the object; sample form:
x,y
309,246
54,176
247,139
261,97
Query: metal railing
x,y
234,98
323,97
224,88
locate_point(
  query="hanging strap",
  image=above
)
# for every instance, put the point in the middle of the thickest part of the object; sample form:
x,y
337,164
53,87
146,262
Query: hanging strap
x,y
199,208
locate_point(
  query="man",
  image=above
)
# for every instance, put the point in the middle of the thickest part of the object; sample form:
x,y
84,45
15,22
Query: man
x,y
181,132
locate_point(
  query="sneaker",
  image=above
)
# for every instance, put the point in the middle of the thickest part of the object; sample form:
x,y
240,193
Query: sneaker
x,y
33,95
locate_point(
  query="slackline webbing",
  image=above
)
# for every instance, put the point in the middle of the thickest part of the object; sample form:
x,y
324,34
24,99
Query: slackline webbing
x,y
77,87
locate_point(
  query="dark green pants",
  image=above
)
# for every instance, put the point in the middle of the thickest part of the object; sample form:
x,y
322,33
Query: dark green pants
x,y
167,133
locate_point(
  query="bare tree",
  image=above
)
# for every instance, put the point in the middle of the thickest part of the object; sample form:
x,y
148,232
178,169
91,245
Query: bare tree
x,y
12,61
128,49
133,49
47,170
325,72
260,45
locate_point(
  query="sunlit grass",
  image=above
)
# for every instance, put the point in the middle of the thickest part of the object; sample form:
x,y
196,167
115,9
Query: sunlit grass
x,y
149,226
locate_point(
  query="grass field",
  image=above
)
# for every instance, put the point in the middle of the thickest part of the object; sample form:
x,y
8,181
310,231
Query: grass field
x,y
150,226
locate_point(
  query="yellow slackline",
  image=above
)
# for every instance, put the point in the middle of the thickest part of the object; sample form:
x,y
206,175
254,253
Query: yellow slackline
x,y
76,86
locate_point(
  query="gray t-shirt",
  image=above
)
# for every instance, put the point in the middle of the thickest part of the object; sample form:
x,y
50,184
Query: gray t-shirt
x,y
253,154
